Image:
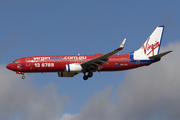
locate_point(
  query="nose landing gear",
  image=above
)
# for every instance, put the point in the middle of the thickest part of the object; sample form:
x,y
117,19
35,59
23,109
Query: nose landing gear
x,y
23,77
22,73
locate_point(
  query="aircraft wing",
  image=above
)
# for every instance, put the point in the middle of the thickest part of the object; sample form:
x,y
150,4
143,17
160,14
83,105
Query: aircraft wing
x,y
98,61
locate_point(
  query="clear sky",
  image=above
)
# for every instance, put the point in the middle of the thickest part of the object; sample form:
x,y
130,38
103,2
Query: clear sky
x,y
70,27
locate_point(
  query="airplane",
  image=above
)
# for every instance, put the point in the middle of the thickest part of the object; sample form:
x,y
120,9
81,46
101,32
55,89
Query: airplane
x,y
71,65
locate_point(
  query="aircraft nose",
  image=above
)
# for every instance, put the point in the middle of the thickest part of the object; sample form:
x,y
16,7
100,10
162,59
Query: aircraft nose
x,y
9,66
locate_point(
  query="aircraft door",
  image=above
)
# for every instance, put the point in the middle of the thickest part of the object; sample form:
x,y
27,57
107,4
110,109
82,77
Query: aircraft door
x,y
28,63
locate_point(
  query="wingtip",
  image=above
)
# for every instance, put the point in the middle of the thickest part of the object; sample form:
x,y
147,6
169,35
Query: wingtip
x,y
123,43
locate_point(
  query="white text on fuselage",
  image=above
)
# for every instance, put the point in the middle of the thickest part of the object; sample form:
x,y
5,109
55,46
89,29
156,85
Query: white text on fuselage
x,y
65,57
75,57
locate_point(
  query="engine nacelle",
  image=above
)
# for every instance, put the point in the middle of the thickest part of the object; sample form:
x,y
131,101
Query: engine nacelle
x,y
65,74
74,67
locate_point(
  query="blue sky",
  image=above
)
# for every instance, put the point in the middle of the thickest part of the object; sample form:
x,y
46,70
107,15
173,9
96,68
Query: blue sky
x,y
65,27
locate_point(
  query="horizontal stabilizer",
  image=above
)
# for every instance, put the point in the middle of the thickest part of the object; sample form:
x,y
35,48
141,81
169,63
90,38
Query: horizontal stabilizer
x,y
159,55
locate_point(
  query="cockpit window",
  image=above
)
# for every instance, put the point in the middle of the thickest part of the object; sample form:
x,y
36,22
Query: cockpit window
x,y
16,61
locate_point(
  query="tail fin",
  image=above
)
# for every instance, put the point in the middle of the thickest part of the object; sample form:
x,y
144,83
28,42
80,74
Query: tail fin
x,y
152,45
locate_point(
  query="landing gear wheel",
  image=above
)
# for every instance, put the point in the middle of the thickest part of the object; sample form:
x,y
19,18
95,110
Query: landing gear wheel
x,y
90,74
85,77
23,77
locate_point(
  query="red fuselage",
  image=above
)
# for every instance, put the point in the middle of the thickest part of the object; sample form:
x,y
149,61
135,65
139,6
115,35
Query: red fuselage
x,y
57,63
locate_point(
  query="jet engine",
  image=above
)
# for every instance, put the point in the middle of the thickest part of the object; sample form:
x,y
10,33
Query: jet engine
x,y
74,67
66,74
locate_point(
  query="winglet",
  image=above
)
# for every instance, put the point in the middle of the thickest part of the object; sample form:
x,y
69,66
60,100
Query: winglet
x,y
122,44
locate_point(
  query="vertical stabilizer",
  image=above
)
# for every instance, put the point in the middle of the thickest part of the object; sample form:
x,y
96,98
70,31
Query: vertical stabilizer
x,y
152,45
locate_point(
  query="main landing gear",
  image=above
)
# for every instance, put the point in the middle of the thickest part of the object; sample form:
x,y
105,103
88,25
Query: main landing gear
x,y
89,75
